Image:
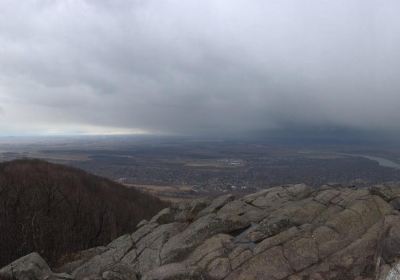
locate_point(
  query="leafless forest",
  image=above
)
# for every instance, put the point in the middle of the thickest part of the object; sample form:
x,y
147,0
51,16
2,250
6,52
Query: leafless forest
x,y
56,210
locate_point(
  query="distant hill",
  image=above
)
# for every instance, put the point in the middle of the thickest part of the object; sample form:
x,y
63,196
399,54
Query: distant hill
x,y
55,210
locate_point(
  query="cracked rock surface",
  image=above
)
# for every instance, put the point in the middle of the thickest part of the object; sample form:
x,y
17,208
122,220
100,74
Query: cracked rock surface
x,y
291,232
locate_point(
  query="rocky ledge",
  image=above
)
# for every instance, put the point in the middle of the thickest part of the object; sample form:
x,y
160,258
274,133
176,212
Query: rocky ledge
x,y
288,232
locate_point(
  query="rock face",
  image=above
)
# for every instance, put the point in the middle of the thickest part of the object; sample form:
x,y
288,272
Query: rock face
x,y
288,232
31,266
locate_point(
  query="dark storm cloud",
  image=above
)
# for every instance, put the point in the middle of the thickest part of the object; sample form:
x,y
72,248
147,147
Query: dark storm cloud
x,y
198,66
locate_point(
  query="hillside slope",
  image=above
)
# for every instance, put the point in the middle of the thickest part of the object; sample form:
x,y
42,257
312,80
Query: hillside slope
x,y
290,232
55,210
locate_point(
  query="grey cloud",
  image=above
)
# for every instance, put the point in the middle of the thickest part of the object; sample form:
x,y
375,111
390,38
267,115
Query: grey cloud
x,y
198,66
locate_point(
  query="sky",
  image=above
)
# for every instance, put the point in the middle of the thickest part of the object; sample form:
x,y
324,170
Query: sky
x,y
204,67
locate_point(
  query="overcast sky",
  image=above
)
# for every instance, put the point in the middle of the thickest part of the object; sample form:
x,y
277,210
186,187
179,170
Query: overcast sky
x,y
198,67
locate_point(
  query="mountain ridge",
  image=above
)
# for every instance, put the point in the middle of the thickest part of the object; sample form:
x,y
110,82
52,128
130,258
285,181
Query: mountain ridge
x,y
288,232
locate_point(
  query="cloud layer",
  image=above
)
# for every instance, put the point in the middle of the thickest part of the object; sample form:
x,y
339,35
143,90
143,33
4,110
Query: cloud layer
x,y
198,67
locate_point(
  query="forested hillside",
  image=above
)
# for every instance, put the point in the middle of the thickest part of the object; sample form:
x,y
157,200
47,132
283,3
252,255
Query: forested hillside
x,y
55,210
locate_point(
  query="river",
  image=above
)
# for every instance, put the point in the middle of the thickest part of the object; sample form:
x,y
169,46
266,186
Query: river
x,y
382,161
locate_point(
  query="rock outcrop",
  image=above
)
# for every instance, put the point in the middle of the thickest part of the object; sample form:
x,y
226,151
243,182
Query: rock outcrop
x,y
289,232
31,266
